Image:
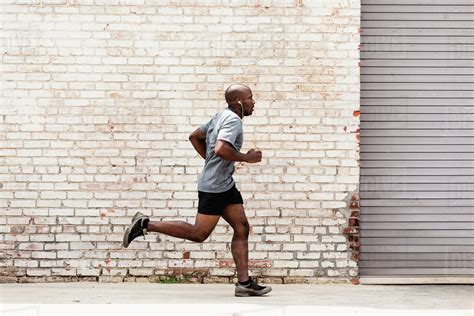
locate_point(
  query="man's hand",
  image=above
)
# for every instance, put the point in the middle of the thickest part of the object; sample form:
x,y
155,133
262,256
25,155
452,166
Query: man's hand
x,y
254,156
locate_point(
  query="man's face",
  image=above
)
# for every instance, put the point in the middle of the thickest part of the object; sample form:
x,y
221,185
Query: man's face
x,y
248,103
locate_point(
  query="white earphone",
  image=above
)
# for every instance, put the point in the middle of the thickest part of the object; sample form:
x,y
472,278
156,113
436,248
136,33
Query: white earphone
x,y
242,108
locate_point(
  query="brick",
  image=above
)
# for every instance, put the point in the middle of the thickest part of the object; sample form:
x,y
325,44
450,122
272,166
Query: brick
x,y
88,272
26,263
37,272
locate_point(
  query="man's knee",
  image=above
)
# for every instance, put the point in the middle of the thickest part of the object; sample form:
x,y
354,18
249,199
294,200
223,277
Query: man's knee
x,y
243,229
201,236
246,227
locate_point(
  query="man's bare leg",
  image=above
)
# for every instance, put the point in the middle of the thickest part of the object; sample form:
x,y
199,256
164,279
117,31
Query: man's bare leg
x,y
198,232
234,214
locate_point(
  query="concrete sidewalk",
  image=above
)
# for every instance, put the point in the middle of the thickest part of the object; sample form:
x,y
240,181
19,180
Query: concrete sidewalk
x,y
217,299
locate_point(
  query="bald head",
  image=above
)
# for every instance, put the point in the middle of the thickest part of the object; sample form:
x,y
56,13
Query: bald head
x,y
235,91
239,99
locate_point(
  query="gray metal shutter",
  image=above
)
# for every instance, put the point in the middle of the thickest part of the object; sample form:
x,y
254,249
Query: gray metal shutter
x,y
417,141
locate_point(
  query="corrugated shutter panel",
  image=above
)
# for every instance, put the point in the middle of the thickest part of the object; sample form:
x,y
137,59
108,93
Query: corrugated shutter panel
x,y
417,139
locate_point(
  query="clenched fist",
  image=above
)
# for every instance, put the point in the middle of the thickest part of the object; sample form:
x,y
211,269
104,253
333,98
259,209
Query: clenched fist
x,y
254,156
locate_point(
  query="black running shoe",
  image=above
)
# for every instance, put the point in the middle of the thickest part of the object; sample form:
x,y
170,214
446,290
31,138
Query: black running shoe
x,y
251,289
135,229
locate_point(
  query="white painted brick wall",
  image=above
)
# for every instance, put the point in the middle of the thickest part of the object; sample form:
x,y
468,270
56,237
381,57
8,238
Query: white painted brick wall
x,y
98,99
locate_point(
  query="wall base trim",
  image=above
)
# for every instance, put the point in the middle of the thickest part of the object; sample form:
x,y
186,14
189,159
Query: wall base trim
x,y
418,280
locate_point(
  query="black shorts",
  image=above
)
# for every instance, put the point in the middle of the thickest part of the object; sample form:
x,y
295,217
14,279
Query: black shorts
x,y
215,203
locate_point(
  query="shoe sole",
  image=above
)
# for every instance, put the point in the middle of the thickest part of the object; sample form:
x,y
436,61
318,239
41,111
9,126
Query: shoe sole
x,y
247,294
135,219
125,243
136,216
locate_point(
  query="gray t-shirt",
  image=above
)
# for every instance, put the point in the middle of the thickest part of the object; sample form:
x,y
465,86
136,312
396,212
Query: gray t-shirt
x,y
216,176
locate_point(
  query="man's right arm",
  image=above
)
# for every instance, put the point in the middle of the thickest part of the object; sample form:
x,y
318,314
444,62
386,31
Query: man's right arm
x,y
198,139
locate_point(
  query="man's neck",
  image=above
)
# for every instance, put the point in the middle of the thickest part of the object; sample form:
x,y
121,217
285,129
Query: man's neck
x,y
237,111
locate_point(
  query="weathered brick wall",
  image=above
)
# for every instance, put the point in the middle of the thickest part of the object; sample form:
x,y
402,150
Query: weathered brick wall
x,y
97,101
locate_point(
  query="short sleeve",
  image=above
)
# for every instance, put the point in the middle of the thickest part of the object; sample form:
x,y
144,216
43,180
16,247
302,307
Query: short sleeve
x,y
230,130
205,127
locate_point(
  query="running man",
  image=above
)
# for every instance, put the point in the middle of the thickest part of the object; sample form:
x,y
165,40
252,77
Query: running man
x,y
218,142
